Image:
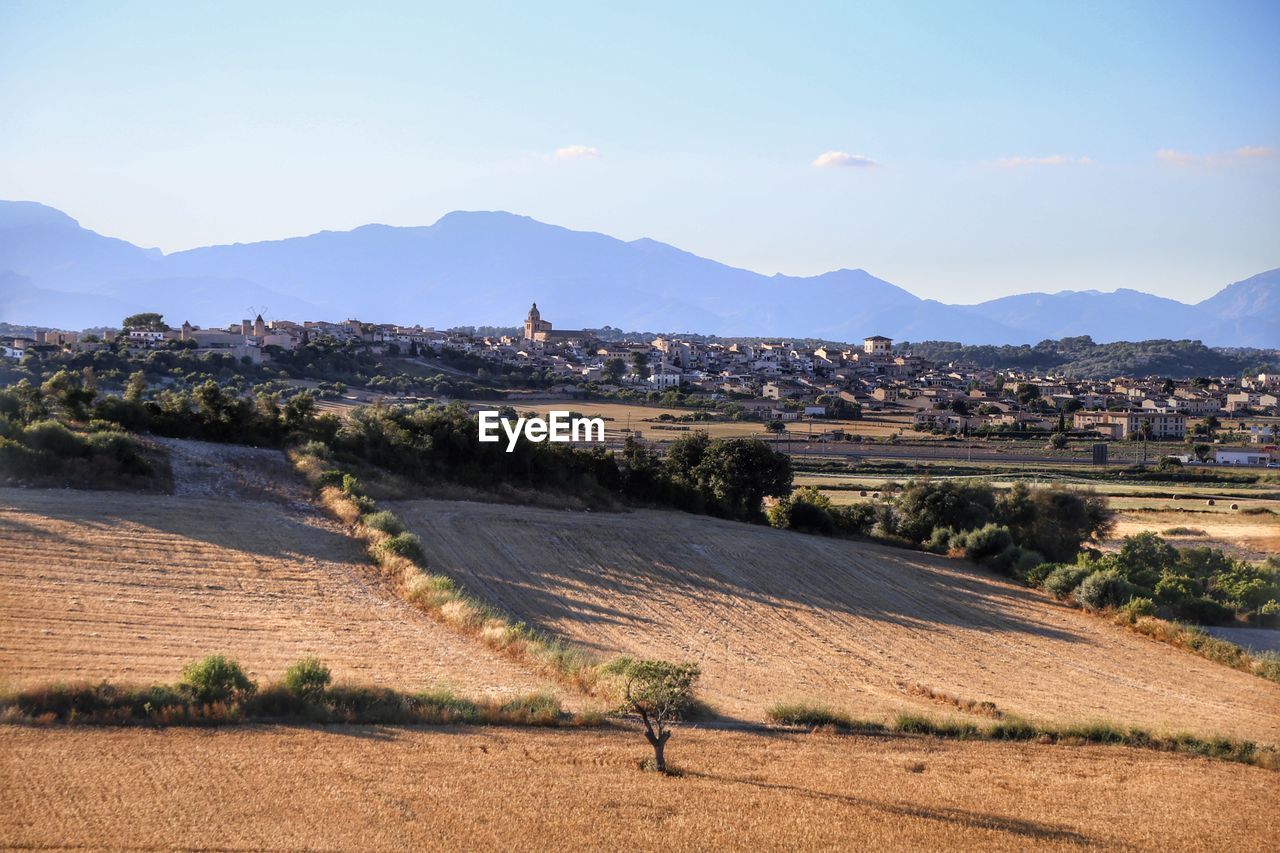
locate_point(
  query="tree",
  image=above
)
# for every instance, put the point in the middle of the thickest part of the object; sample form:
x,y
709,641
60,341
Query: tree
x,y
136,387
1028,392
640,363
147,321
660,692
614,368
738,473
1058,441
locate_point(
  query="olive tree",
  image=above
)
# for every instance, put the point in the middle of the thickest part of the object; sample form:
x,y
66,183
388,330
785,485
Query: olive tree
x,y
659,692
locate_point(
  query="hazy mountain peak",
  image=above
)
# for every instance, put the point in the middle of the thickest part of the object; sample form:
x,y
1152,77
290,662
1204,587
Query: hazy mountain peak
x,y
485,267
19,214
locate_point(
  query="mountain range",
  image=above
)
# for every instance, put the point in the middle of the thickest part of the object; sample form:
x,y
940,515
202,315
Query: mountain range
x,y
484,268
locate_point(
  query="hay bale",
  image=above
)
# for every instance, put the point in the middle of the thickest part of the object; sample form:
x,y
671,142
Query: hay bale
x,y
1235,506
1209,502
862,494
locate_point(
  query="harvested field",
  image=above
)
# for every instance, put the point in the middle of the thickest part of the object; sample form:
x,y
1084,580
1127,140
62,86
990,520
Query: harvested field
x,y
98,585
773,615
1250,537
388,788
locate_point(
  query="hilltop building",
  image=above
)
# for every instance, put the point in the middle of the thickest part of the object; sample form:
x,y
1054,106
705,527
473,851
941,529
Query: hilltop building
x,y
538,329
877,345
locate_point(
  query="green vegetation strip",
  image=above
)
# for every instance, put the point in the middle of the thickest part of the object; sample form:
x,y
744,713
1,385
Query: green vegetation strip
x,y
399,554
215,691
815,716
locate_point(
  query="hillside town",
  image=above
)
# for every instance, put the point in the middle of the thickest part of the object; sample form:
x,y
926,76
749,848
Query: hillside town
x,y
771,380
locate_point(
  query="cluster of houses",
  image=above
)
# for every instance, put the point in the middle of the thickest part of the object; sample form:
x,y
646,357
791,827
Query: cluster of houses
x,y
775,379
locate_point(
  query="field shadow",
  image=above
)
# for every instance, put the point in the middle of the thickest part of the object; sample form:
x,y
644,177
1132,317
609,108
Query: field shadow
x,y
554,568
265,529
956,817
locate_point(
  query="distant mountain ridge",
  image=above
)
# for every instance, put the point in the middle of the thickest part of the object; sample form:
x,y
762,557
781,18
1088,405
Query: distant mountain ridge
x,y
474,268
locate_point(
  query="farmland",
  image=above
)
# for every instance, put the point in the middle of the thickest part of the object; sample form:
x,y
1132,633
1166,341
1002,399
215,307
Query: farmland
x,y
383,788
773,615
97,585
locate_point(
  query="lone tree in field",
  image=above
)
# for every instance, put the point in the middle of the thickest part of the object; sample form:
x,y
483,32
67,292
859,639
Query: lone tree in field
x,y
659,692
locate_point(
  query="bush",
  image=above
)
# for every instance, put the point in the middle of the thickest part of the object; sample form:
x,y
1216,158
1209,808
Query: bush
x,y
1138,607
406,545
216,678
940,540
854,519
1103,589
54,438
1204,611
385,521
1035,575
307,679
1064,579
985,542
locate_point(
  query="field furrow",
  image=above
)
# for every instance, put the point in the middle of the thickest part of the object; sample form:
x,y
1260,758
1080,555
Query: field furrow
x,y
774,615
98,585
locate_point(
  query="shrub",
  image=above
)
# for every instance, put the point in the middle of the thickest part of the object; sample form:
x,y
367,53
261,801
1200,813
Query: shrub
x,y
352,486
215,678
1138,607
1064,579
987,541
1204,611
307,679
817,716
54,438
940,540
318,449
1035,575
385,521
854,519
406,545
121,449
1103,589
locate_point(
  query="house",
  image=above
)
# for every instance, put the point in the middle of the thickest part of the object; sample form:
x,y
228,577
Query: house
x,y
877,345
1130,423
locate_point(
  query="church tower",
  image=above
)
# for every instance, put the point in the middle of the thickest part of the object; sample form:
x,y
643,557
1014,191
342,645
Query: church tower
x,y
532,323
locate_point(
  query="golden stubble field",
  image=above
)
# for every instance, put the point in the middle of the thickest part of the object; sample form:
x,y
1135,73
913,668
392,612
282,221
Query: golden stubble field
x,y
393,789
774,615
126,587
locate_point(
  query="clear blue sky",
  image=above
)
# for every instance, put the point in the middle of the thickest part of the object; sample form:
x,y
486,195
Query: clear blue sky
x,y
972,149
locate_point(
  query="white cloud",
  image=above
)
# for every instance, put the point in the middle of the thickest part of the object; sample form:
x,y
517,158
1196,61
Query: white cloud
x,y
1246,152
840,158
577,152
1256,151
1050,160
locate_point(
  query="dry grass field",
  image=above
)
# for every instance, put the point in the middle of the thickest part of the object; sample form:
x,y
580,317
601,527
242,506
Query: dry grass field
x,y
774,615
105,585
394,789
1250,536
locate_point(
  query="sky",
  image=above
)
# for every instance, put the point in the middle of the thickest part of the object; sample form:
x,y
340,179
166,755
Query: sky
x,y
963,151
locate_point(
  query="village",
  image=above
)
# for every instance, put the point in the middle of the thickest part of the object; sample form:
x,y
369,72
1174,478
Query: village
x,y
778,381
